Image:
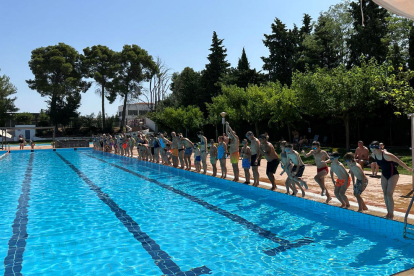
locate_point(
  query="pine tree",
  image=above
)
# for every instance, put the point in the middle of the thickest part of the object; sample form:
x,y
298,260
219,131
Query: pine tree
x,y
280,45
244,74
214,70
368,41
6,102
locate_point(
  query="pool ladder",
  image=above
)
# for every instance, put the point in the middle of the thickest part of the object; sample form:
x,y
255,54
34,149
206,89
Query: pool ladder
x,y
408,229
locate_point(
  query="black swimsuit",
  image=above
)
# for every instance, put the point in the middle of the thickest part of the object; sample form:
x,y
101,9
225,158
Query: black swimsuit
x,y
388,168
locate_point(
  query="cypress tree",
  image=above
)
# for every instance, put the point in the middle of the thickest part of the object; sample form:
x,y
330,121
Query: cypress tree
x,y
214,70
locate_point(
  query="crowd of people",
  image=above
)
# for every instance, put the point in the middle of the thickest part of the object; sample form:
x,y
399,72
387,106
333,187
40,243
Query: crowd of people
x,y
178,150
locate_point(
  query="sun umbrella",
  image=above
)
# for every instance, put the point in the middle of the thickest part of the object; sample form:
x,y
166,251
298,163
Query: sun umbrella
x,y
401,7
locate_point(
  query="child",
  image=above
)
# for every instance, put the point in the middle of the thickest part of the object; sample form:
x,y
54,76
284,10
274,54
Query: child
x,y
168,154
362,180
287,167
246,154
197,158
213,156
32,144
221,155
343,181
298,166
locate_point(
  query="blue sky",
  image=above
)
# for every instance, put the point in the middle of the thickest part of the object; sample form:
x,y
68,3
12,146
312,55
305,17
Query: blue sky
x,y
179,32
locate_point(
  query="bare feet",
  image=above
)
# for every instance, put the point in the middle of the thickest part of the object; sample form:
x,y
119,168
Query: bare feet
x,y
303,193
328,199
274,188
323,192
303,183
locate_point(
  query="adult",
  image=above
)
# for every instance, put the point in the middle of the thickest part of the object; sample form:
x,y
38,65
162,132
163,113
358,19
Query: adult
x,y
321,160
246,154
234,151
203,149
181,150
255,157
361,154
21,141
188,145
272,159
389,174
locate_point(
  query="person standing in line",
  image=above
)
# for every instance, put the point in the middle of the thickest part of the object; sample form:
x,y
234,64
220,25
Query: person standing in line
x,y
213,157
272,159
246,154
389,174
197,158
255,157
234,151
343,181
203,148
181,150
221,156
188,145
361,182
174,145
321,159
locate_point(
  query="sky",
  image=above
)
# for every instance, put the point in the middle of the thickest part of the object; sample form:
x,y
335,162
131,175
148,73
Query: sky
x,y
179,32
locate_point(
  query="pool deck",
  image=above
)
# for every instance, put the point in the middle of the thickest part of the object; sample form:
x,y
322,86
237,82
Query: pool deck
x,y
372,195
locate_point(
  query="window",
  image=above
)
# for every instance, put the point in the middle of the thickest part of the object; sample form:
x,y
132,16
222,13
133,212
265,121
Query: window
x,y
133,112
120,113
143,112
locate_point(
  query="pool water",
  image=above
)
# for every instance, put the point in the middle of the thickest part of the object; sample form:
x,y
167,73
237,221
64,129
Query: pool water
x,y
92,213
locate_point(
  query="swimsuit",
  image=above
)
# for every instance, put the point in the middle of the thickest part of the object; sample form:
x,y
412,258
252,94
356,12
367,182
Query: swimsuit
x,y
220,152
388,168
188,151
175,152
321,169
299,173
341,182
359,187
253,160
213,160
234,157
198,158
245,163
272,166
162,143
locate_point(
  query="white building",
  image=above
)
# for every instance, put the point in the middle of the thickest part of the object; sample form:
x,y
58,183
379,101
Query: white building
x,y
134,110
26,133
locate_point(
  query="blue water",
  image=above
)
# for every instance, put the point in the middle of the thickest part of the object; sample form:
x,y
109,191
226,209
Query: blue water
x,y
198,221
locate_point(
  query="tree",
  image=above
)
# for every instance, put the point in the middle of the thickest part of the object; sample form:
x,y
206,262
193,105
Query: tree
x,y
369,40
282,49
341,93
99,62
158,85
57,75
24,118
43,119
214,71
411,48
186,88
6,102
136,66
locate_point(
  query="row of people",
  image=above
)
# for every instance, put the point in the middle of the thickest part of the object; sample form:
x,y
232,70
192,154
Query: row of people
x,y
178,151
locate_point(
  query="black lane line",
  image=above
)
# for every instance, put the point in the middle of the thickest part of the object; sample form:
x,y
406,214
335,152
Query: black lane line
x,y
17,243
283,243
160,257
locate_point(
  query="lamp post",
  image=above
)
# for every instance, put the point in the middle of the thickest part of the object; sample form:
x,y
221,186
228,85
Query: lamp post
x,y
140,125
223,120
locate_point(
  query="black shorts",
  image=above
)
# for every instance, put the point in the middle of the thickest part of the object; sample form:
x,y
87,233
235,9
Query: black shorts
x,y
152,151
300,171
253,161
272,166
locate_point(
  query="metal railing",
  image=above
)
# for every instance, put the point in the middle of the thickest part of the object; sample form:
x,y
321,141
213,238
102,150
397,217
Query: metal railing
x,y
406,222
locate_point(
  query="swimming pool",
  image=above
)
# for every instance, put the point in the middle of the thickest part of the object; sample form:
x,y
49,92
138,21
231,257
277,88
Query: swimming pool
x,y
91,213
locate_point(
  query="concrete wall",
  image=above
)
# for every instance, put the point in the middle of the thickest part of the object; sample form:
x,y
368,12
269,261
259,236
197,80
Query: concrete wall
x,y
151,124
23,132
